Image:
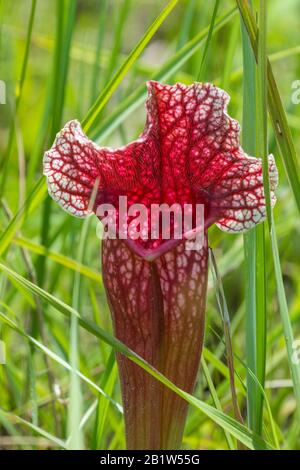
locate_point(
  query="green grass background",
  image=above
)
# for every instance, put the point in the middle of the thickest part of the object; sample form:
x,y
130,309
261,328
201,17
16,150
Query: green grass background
x,y
57,58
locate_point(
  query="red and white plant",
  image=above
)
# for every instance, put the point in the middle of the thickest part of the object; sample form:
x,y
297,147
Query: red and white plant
x,y
189,153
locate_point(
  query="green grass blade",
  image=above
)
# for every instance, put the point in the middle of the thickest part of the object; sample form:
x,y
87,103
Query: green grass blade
x,y
32,427
224,313
276,110
216,400
107,384
262,101
59,258
186,23
203,65
243,434
100,38
26,54
285,318
76,441
66,15
55,357
121,14
213,360
129,104
260,322
284,141
262,151
32,385
104,96
6,157
34,199
254,253
232,46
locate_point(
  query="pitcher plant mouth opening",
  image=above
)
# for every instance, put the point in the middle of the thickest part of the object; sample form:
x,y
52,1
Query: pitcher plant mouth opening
x,y
188,155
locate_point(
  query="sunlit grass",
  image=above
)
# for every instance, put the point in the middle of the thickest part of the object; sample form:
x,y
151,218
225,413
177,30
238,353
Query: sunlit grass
x,y
69,57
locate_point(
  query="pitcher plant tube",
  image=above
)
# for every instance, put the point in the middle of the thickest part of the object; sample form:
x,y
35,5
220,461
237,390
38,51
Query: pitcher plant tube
x,y
188,155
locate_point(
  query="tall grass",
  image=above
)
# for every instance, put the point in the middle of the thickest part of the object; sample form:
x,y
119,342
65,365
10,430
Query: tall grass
x,y
4,162
254,243
266,79
43,271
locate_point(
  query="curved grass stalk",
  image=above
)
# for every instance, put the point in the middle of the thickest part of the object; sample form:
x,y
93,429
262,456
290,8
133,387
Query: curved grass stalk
x,y
18,420
104,96
247,437
58,258
254,257
122,111
276,110
6,157
55,357
288,154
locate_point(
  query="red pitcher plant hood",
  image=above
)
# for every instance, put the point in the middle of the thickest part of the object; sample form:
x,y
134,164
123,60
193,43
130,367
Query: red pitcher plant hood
x,y
188,154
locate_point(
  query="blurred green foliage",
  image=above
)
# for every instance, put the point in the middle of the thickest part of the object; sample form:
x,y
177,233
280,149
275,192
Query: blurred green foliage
x,y
108,29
